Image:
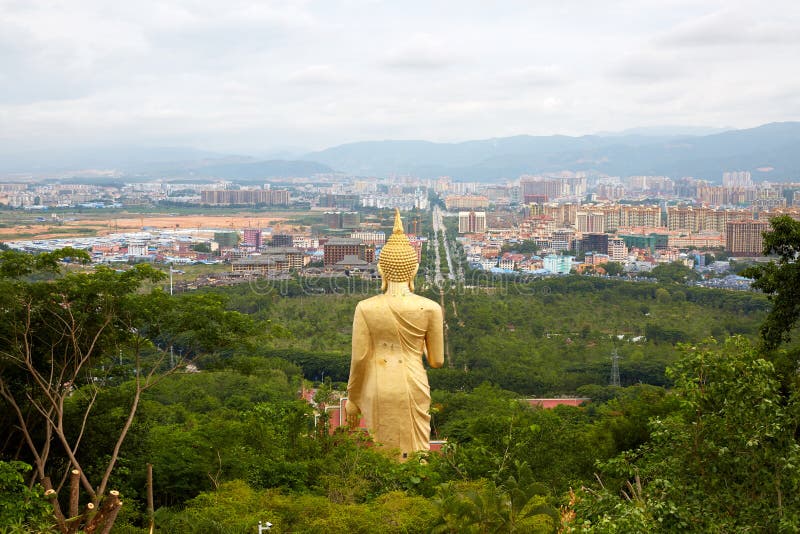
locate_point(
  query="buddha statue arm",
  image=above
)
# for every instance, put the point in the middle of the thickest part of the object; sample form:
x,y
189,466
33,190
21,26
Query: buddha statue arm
x,y
434,338
358,367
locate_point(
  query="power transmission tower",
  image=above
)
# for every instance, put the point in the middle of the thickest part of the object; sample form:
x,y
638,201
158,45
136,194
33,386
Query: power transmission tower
x,y
615,368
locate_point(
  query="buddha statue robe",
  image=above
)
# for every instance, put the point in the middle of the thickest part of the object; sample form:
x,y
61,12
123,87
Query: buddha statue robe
x,y
388,382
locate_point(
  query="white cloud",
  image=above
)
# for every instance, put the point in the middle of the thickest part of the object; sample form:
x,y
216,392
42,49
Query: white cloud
x,y
650,66
316,75
246,75
421,52
734,28
536,76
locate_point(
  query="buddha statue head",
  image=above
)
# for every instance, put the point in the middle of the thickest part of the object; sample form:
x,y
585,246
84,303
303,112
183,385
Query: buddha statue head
x,y
398,259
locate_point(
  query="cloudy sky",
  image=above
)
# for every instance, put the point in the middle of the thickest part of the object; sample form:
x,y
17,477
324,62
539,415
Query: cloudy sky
x,y
253,76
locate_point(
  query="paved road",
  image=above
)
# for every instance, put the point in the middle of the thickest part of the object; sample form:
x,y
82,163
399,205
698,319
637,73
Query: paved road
x,y
437,276
440,232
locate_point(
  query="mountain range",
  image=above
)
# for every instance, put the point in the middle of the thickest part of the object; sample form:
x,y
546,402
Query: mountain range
x,y
769,152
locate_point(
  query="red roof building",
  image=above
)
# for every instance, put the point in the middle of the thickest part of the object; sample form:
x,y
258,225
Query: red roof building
x,y
548,404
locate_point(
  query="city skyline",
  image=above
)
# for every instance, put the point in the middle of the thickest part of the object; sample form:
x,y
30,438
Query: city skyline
x,y
264,77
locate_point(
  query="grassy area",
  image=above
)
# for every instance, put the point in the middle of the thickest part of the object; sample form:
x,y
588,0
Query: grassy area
x,y
192,272
57,231
27,225
15,217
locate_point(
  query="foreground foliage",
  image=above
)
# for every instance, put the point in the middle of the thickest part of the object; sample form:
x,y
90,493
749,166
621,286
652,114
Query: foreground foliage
x,y
725,461
781,280
708,445
457,508
22,509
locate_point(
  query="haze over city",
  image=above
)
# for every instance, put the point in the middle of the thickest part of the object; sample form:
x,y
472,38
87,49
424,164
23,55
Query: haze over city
x,y
290,77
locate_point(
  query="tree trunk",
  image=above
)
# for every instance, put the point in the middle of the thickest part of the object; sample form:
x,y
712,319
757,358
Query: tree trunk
x,y
51,495
150,508
74,496
106,515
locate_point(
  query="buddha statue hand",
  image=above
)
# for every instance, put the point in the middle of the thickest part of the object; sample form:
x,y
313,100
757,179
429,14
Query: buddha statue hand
x,y
353,414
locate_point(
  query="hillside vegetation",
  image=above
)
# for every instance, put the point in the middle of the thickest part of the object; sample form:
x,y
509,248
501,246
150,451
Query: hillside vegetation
x,y
699,437
547,337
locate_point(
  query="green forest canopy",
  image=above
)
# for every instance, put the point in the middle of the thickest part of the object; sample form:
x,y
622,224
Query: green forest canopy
x,y
232,444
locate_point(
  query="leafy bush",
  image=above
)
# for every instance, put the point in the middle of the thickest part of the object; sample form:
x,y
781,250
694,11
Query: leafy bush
x,y
21,509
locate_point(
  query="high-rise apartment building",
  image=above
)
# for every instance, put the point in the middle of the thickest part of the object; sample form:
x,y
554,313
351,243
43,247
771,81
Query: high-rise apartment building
x,y
595,243
654,184
340,201
342,219
270,197
470,202
618,216
552,189
282,240
563,214
471,222
563,239
617,251
591,221
698,219
648,216
736,179
715,195
336,248
792,212
745,238
252,237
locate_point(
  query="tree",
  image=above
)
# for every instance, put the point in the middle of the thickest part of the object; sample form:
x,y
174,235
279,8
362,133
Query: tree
x,y
780,281
527,246
613,268
663,296
725,461
21,507
192,323
483,506
59,341
675,272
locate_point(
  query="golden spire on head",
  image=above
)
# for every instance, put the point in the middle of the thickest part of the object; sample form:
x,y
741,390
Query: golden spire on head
x,y
398,260
398,223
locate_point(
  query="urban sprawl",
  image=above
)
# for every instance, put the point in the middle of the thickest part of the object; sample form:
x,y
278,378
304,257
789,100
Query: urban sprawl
x,y
540,225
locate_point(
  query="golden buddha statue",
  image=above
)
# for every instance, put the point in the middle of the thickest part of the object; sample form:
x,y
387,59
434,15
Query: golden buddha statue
x,y
388,383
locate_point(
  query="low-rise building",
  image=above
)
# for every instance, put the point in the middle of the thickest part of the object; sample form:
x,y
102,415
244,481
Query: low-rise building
x,y
558,264
271,259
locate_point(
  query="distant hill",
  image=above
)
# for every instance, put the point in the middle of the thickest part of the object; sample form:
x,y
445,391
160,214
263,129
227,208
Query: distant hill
x,y
774,146
771,152
126,159
154,162
260,170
